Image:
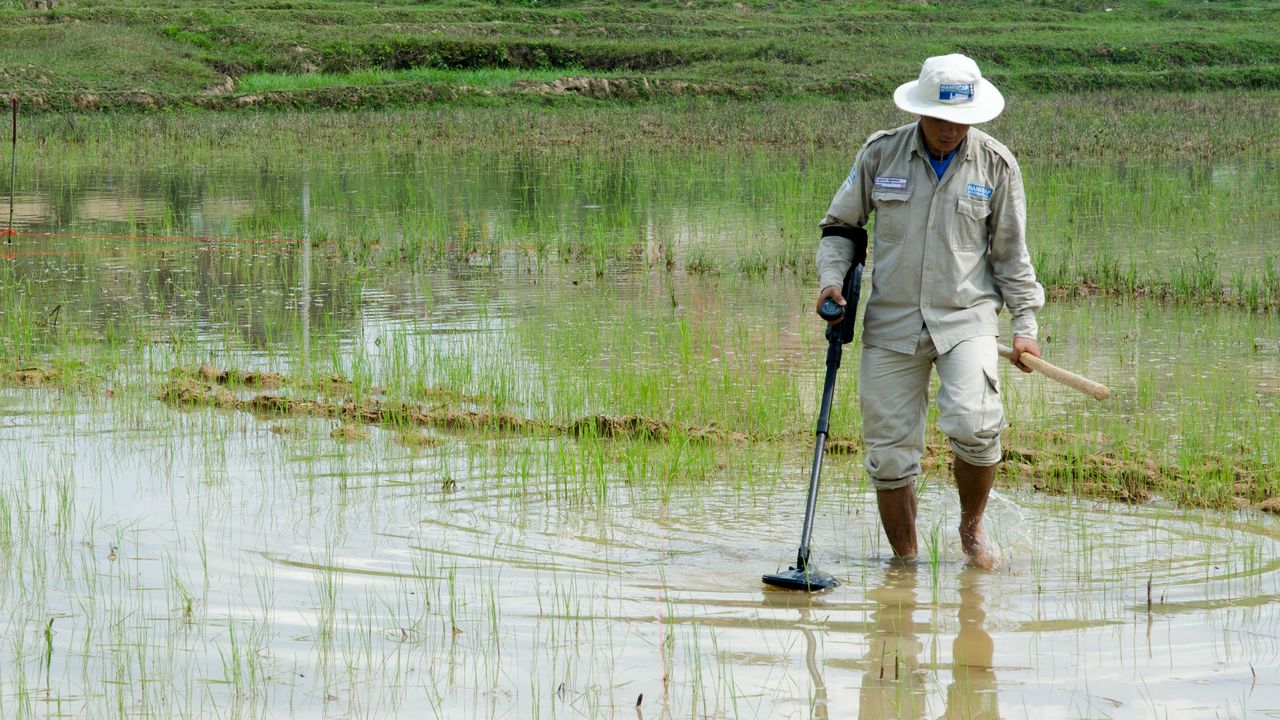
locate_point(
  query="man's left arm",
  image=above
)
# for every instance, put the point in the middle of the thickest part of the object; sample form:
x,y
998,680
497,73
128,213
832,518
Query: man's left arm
x,y
1011,263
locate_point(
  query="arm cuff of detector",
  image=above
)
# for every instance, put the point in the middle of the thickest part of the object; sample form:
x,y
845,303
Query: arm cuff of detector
x,y
848,232
855,235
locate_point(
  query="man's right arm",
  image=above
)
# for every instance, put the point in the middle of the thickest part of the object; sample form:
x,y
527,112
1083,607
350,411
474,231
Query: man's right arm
x,y
849,209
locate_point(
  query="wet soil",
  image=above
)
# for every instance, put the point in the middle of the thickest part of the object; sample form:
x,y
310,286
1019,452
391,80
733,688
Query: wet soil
x,y
1049,461
210,388
32,377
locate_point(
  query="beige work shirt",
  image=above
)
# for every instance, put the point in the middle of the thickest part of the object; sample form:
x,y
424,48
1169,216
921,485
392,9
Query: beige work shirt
x,y
948,253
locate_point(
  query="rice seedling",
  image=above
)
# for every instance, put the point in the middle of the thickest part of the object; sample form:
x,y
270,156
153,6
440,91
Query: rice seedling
x,y
617,438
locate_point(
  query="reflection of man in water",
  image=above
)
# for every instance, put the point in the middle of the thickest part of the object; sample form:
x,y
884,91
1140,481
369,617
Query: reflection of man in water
x,y
894,686
972,692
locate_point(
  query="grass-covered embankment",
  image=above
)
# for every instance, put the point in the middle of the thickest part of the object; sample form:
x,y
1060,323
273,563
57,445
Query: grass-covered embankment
x,y
1106,126
1050,461
123,53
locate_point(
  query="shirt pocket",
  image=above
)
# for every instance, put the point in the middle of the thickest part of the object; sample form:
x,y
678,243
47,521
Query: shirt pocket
x,y
970,232
891,214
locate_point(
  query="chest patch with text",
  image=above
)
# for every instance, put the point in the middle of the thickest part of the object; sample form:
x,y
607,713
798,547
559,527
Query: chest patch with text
x,y
891,183
980,192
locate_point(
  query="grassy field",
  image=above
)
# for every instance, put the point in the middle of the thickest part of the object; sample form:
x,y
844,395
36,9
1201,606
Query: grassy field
x,y
177,244
94,54
1137,193
433,357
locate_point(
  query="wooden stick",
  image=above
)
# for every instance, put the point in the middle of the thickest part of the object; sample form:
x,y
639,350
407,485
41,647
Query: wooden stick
x,y
1076,382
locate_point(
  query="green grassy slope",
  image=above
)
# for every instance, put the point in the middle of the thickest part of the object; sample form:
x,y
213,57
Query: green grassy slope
x,y
105,53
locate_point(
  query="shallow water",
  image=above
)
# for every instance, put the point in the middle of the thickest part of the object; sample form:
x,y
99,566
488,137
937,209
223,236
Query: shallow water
x,y
217,564
157,561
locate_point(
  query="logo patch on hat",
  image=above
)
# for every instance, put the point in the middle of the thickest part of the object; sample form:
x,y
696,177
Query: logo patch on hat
x,y
891,183
980,192
955,92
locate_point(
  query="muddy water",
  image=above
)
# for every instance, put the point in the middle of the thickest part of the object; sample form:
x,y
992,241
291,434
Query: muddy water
x,y
219,564
157,561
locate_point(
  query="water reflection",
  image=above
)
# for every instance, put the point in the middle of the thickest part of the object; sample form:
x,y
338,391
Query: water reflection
x,y
811,664
896,677
813,630
892,682
304,282
972,692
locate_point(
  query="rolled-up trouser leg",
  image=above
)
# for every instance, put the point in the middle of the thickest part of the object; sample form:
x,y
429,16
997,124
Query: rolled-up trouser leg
x,y
970,411
894,392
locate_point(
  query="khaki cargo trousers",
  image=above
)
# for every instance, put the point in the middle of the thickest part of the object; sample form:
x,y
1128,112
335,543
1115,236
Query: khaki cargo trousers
x,y
894,395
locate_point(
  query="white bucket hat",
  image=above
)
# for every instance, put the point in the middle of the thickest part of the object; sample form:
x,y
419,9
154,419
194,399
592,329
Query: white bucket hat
x,y
951,87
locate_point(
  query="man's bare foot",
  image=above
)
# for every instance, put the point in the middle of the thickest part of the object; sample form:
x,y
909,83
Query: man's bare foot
x,y
982,552
899,562
974,483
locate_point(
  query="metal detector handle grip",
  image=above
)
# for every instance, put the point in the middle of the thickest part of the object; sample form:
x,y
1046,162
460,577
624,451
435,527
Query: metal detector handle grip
x,y
838,335
842,332
830,310
851,288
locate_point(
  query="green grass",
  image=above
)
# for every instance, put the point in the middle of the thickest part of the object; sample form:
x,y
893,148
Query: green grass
x,y
644,260
1079,130
1185,218
480,78
39,61
500,204
131,54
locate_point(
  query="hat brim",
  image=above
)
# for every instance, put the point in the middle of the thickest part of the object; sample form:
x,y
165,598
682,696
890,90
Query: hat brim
x,y
987,104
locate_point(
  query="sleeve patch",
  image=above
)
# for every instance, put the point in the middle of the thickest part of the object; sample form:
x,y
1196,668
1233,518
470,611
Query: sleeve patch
x,y
853,177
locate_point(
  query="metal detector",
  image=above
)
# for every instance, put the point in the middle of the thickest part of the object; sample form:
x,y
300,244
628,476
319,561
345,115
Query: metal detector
x,y
804,576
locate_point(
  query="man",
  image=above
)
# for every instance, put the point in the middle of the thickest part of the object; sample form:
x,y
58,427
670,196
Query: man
x,y
950,250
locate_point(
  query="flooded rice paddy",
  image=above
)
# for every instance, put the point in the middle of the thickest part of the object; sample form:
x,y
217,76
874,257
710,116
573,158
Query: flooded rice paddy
x,y
533,429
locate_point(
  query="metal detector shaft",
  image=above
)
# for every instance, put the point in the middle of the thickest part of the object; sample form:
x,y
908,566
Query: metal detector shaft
x,y
834,351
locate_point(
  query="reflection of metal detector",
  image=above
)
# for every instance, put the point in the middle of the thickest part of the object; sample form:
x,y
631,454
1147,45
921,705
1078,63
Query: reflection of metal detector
x,y
803,576
805,605
819,707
